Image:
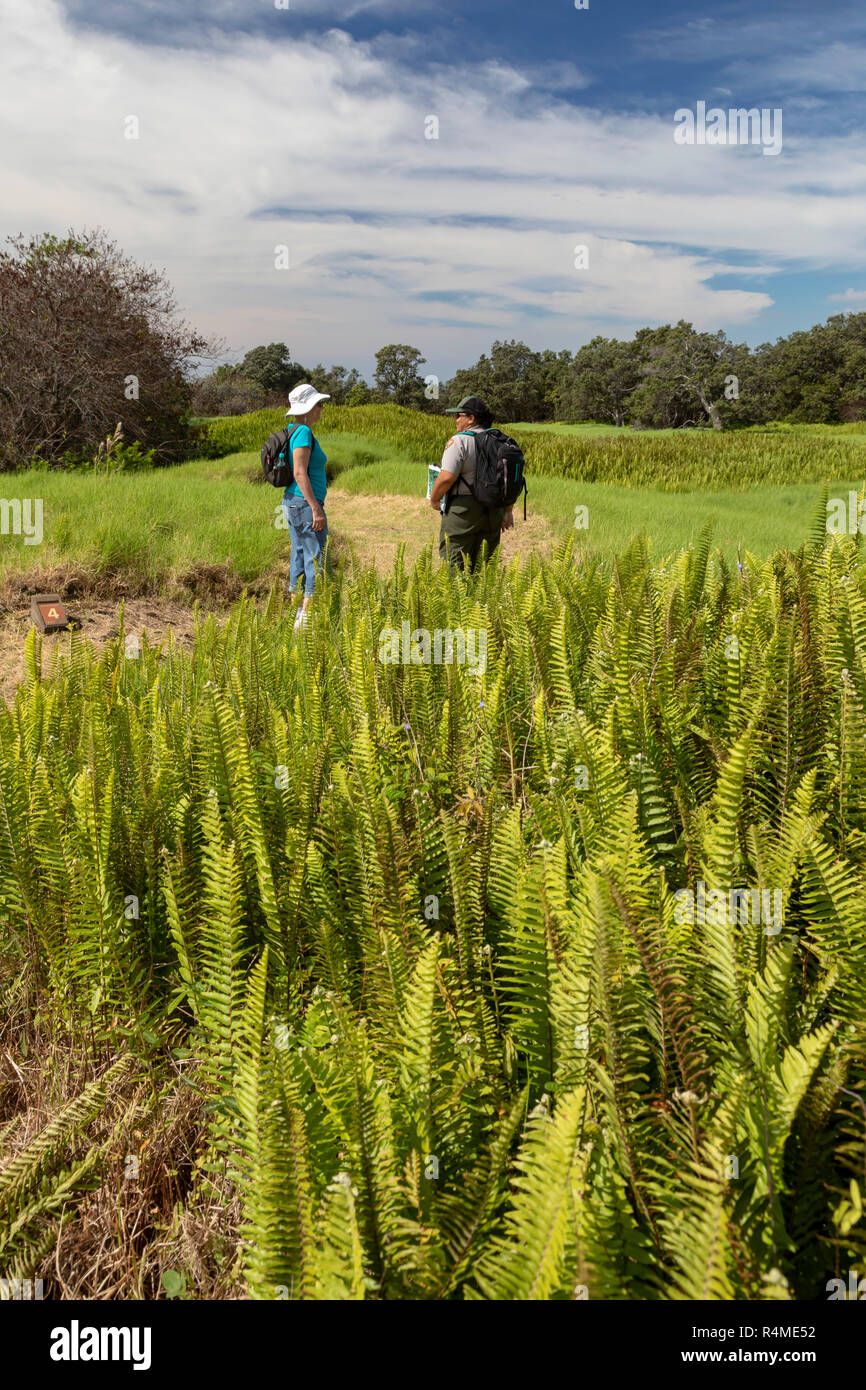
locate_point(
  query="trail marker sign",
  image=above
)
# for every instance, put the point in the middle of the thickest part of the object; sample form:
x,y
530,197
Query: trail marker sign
x,y
48,613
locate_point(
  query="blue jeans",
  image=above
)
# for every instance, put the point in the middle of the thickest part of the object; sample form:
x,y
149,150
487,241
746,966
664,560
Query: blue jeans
x,y
308,546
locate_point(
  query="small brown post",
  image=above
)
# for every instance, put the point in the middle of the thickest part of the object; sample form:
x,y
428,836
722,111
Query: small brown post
x,y
48,613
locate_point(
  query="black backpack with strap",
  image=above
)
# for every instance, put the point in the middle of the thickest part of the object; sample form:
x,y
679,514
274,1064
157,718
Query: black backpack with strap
x,y
500,469
277,457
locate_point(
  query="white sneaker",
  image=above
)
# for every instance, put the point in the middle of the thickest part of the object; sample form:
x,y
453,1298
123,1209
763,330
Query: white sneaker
x,y
302,619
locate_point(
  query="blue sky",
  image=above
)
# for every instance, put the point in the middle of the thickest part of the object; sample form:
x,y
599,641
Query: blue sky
x,y
308,128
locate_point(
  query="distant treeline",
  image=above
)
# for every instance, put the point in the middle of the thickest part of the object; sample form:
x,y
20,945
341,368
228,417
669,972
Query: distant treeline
x,y
662,378
96,370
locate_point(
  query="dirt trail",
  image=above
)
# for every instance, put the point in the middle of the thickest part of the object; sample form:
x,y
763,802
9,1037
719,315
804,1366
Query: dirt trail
x,y
374,525
99,620
377,525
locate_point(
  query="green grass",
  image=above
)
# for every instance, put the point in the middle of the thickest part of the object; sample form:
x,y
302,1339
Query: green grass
x,y
758,519
153,527
671,460
593,429
588,429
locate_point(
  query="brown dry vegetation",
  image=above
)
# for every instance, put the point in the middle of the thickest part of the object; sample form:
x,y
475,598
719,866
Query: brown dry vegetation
x,y
136,1221
374,526
366,530
100,621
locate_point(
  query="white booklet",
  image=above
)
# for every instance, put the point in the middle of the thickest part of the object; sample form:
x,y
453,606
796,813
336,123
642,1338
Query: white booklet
x,y
433,471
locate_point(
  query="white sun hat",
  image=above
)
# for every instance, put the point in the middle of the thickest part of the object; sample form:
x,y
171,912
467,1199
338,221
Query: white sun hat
x,y
303,398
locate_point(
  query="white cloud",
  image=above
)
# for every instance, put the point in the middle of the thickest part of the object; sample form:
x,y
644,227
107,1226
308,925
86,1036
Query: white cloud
x,y
848,297
240,124
830,67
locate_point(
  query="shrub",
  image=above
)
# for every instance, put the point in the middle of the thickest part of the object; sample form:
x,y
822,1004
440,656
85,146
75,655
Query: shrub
x,y
88,337
227,392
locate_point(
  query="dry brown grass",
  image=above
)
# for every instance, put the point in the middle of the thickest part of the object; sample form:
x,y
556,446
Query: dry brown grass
x,y
99,619
117,1239
365,531
374,527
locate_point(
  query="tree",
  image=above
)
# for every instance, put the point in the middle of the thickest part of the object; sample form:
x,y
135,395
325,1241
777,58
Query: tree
x,y
337,382
397,377
684,373
601,377
552,369
88,338
272,367
227,392
817,375
515,382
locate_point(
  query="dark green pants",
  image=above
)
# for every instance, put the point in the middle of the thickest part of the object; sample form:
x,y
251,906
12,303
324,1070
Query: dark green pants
x,y
464,527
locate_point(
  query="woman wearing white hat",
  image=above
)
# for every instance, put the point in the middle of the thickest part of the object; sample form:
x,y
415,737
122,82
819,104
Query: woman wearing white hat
x,y
303,499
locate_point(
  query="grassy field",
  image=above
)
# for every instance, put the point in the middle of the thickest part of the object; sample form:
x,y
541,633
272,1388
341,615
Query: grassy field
x,y
591,429
586,429
671,461
164,532
758,519
334,971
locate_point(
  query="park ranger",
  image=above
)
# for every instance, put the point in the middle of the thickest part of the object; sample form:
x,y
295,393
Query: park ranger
x,y
466,522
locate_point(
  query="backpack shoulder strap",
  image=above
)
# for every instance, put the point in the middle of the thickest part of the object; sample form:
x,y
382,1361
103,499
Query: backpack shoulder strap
x,y
473,434
297,426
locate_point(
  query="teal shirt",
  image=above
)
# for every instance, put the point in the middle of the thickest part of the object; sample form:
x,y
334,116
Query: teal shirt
x,y
303,439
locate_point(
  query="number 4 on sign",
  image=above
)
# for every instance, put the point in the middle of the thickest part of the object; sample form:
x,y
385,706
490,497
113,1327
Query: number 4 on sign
x,y
48,614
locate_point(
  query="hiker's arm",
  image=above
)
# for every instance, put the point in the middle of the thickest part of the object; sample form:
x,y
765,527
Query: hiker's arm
x,y
300,469
450,470
443,484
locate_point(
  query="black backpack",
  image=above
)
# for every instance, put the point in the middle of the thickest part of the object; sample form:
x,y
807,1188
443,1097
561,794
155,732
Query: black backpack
x,y
500,469
277,458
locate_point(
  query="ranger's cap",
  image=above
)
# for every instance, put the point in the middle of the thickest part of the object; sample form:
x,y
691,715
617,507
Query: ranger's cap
x,y
470,405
